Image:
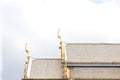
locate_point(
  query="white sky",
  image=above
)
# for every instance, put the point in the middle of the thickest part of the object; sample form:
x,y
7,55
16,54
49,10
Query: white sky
x,y
0,45
37,22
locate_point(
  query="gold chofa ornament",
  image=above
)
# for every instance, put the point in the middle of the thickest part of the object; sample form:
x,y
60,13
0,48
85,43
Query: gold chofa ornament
x,y
61,46
65,68
27,61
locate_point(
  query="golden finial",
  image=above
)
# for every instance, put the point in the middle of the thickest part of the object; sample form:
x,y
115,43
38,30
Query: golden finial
x,y
59,37
59,34
65,69
61,46
26,49
27,61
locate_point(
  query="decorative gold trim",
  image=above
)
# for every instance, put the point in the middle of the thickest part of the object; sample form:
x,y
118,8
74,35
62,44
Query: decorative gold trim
x,y
65,69
61,46
27,61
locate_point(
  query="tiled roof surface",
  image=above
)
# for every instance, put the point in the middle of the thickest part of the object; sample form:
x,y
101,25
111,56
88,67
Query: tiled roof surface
x,y
93,52
95,72
46,68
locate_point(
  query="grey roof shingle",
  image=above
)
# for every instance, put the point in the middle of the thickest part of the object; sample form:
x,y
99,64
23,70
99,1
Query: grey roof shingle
x,y
46,68
99,53
95,72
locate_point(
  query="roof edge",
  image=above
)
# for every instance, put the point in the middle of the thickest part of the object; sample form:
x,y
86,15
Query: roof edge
x,y
46,58
92,43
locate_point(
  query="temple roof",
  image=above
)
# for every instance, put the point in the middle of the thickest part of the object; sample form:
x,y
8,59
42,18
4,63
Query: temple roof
x,y
46,68
93,52
84,61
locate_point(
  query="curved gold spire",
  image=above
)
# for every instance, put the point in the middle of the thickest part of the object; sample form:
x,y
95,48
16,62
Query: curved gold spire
x,y
61,46
27,61
59,35
65,69
26,50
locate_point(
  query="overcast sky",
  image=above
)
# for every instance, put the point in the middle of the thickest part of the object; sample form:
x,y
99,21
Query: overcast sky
x,y
37,22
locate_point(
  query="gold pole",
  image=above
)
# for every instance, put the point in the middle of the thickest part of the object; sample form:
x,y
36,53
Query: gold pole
x,y
27,61
65,69
61,46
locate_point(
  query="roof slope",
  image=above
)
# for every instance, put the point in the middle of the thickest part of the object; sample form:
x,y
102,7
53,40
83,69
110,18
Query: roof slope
x,y
46,69
100,53
95,73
